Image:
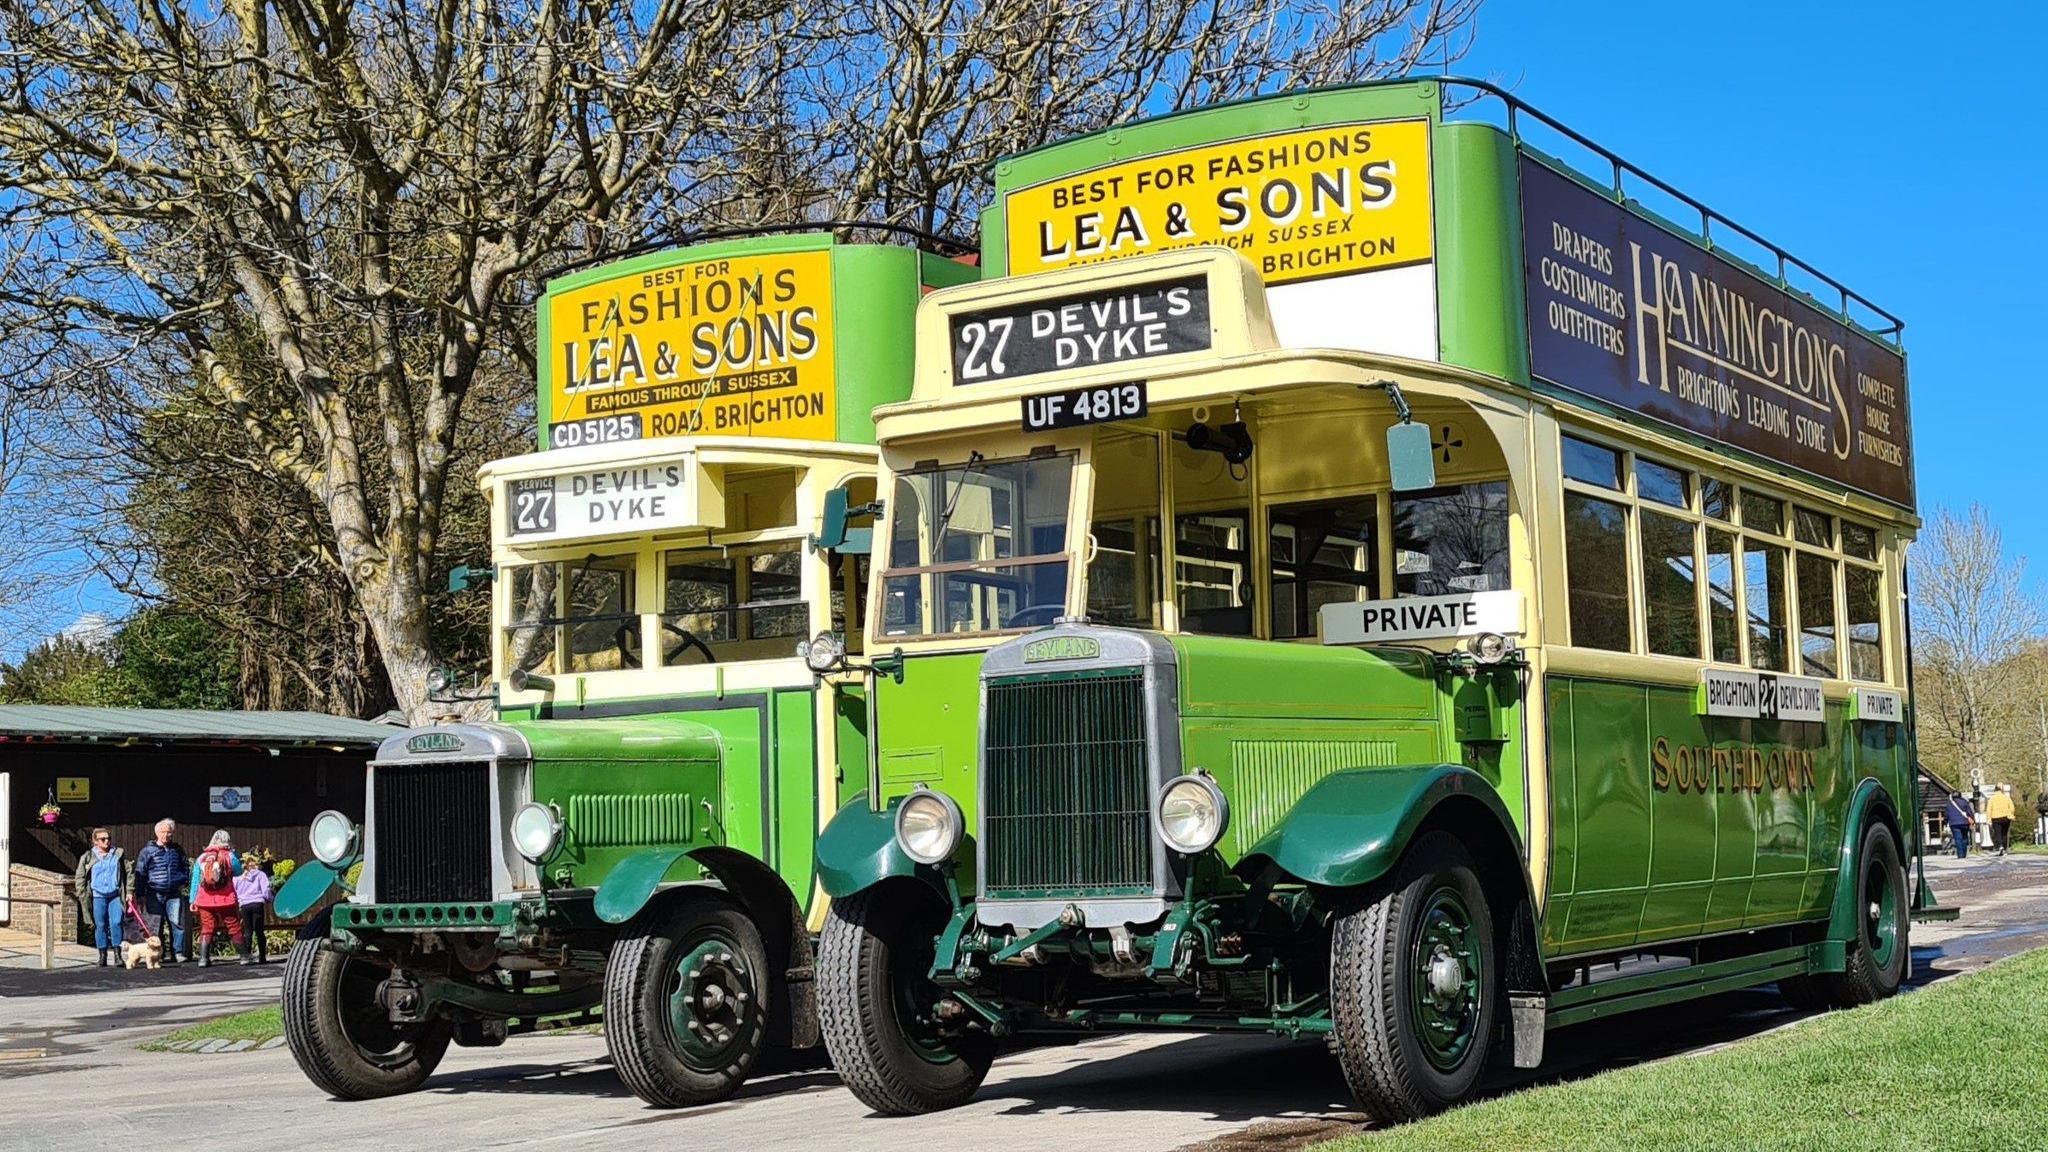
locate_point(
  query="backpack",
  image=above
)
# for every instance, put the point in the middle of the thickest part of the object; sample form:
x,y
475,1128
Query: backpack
x,y
214,874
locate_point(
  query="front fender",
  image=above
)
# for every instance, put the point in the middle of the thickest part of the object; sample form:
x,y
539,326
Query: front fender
x,y
858,850
1350,827
304,888
1868,802
630,885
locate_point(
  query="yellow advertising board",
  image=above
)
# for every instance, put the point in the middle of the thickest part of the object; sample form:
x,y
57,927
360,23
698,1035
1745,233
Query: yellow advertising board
x,y
74,789
1300,204
734,346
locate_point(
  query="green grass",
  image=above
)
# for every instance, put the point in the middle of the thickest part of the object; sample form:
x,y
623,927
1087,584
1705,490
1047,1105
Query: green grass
x,y
255,1024
1963,1063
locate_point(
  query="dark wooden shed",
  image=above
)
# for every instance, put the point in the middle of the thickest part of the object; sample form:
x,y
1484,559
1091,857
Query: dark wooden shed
x,y
263,776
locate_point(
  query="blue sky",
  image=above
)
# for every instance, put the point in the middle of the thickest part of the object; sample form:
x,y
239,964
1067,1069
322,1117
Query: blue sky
x,y
1894,151
1888,144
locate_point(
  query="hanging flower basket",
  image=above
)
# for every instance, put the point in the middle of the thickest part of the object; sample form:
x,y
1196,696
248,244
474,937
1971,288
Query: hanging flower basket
x,y
49,814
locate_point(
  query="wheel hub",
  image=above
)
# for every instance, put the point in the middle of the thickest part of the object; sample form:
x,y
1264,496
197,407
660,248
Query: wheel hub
x,y
1445,991
709,1000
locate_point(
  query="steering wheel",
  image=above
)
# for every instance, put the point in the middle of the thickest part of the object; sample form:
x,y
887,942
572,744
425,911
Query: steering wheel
x,y
623,640
1035,616
685,639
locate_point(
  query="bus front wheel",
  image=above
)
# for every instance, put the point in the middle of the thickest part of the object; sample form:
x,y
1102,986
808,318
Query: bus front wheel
x,y
877,1004
340,1034
686,1001
1877,957
1413,985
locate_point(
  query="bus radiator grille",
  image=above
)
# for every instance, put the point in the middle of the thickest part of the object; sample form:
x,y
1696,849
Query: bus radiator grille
x,y
1066,808
434,830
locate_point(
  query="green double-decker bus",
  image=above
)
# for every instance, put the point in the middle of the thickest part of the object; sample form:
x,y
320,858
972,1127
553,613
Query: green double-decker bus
x,y
630,835
1353,572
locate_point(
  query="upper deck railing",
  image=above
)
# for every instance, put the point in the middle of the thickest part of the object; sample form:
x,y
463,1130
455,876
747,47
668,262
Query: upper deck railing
x,y
1620,169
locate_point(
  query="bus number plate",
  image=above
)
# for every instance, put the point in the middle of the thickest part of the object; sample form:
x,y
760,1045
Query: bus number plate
x,y
596,430
1095,404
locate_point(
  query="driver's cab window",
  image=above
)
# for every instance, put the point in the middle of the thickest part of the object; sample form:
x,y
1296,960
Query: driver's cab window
x,y
978,547
573,616
741,603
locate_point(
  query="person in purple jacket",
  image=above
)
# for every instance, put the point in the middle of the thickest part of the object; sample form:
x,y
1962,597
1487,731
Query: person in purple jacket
x,y
252,893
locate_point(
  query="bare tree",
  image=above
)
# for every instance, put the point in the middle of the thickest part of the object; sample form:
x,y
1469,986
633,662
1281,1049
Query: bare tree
x,y
317,222
1973,617
311,215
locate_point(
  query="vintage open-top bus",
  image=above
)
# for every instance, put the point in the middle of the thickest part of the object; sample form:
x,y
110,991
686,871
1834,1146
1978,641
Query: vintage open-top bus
x,y
1413,597
631,832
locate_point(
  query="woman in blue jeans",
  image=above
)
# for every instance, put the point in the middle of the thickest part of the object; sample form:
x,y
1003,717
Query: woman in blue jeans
x,y
1960,821
102,883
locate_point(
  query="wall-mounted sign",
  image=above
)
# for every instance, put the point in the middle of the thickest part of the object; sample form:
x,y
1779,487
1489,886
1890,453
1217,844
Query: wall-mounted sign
x,y
608,501
737,346
1634,314
74,790
229,799
1111,326
1759,696
1337,220
1878,705
1422,617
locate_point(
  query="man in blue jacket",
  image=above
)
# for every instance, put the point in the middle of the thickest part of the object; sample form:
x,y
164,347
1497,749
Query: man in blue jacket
x,y
162,874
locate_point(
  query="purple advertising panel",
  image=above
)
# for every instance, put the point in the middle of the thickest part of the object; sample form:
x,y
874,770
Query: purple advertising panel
x,y
1626,311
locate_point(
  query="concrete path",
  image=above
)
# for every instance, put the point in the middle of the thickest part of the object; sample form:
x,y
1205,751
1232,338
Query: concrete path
x,y
68,1050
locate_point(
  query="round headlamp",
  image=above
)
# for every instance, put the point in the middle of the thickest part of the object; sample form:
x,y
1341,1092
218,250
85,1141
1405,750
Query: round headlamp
x,y
823,652
1490,647
332,837
1192,814
928,826
536,831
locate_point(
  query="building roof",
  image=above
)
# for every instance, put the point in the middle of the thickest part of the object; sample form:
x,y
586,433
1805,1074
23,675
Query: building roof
x,y
63,723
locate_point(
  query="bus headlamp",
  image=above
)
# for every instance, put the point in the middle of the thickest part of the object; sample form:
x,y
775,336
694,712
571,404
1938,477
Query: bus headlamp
x,y
1489,647
928,826
823,652
536,831
1192,814
332,838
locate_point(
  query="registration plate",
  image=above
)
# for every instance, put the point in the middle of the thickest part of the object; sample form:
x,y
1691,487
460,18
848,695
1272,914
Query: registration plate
x,y
1075,407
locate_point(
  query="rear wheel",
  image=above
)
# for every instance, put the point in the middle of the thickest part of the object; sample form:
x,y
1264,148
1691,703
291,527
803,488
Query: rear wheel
x,y
341,1037
1413,989
876,1002
685,1001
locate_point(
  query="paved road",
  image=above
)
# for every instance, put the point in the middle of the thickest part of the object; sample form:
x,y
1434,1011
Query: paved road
x,y
68,1047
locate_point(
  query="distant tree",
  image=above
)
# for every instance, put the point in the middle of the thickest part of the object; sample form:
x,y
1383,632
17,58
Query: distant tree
x,y
63,670
164,658
1974,616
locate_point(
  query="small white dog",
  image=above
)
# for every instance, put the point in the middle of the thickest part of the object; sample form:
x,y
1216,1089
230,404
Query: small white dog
x,y
148,954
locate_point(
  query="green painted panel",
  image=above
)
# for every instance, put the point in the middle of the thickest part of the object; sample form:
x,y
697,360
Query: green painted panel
x,y
579,787
1683,827
1229,676
795,784
1480,316
928,728
1688,824
1265,767
1612,782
